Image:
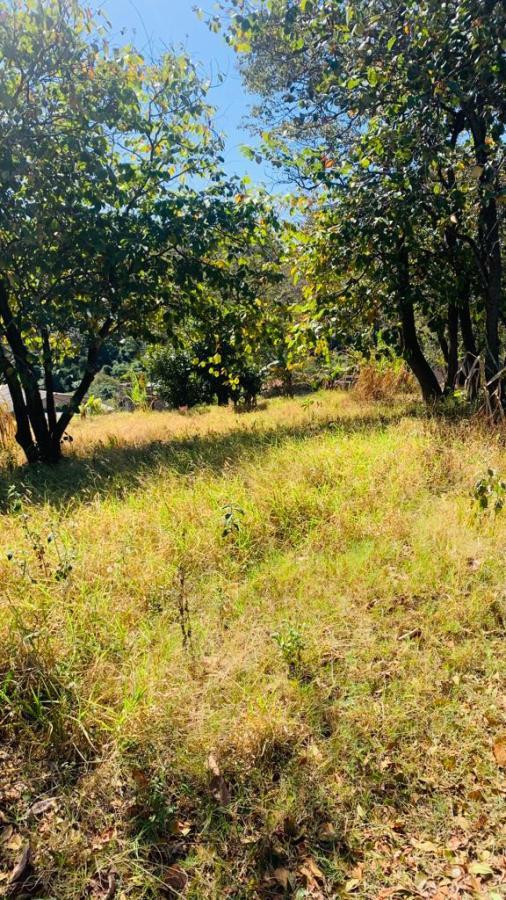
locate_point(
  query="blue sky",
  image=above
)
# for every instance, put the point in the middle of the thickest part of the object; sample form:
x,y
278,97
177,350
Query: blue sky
x,y
173,22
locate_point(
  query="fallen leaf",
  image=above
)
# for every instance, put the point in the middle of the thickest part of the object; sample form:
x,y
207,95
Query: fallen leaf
x,y
183,828
327,832
480,868
500,750
311,871
283,877
43,806
455,842
6,834
175,879
218,785
351,885
14,842
425,846
22,866
104,838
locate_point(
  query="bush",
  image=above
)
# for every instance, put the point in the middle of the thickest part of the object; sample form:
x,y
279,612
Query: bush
x,y
177,379
383,378
107,388
180,379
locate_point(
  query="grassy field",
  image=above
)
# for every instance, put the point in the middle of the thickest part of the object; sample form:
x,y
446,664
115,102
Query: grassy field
x,y
255,656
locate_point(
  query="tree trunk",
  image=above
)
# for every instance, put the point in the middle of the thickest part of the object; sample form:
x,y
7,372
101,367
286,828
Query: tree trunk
x,y
470,366
288,382
48,381
39,437
413,352
490,243
27,377
452,364
443,343
23,431
92,367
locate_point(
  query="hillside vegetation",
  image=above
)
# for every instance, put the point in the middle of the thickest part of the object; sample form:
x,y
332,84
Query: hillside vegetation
x,y
254,656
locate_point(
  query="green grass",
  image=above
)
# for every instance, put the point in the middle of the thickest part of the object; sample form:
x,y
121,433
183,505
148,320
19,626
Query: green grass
x,y
305,705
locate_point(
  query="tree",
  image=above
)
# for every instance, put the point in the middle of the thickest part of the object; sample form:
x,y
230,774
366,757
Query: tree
x,y
220,355
100,236
404,101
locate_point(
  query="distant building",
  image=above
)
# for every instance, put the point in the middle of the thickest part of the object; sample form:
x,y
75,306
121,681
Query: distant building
x,y
60,400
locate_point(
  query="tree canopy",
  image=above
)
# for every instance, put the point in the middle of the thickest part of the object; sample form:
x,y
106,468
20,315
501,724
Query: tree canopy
x,y
391,117
115,212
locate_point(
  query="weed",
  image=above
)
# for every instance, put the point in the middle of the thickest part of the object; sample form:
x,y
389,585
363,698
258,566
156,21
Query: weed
x,y
489,492
291,645
231,519
92,406
45,557
183,611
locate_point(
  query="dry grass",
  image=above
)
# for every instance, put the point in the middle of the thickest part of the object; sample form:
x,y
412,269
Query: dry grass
x,y
6,430
384,380
351,753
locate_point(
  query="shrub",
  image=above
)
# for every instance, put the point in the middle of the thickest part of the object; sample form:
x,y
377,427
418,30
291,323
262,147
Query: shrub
x,y
181,379
177,379
92,406
383,378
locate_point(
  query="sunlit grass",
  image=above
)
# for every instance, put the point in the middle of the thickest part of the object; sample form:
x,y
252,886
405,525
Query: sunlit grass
x,y
340,653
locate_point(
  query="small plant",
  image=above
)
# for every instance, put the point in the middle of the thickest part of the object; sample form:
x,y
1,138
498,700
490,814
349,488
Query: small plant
x,y
231,519
92,406
183,612
138,390
291,646
16,499
489,492
49,559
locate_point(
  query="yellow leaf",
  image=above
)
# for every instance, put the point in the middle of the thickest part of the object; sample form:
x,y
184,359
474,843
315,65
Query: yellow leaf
x,y
500,750
478,868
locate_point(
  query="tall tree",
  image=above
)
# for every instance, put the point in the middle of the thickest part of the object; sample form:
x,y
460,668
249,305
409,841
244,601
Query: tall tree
x,y
99,234
370,94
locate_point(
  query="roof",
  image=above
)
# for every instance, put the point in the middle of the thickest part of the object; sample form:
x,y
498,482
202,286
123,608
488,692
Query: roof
x,y
60,399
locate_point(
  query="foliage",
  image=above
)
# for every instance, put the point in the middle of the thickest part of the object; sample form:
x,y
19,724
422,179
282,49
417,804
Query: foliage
x,y
291,644
177,379
138,394
392,116
232,518
192,376
490,491
115,216
92,406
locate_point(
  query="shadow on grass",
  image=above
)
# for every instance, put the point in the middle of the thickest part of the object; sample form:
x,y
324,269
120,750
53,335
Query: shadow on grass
x,y
116,470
